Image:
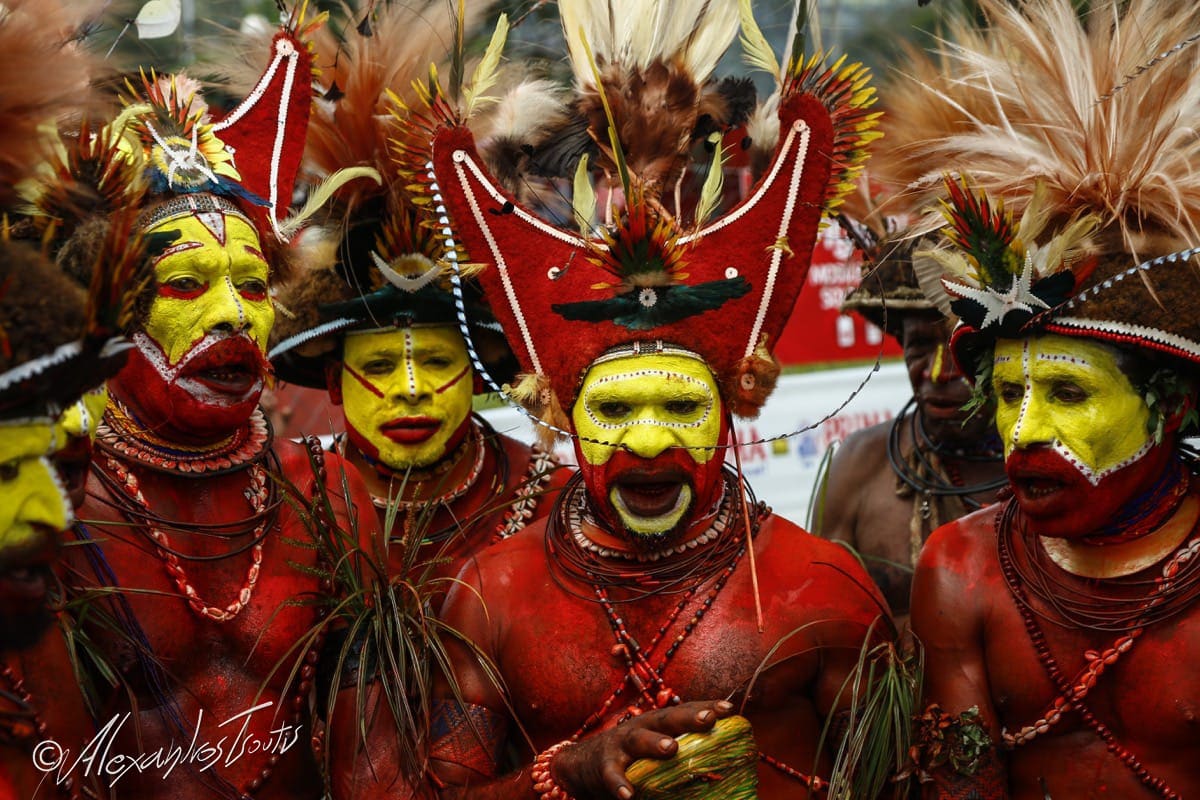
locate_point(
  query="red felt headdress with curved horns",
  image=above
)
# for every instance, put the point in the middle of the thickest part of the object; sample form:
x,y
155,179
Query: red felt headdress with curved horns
x,y
730,285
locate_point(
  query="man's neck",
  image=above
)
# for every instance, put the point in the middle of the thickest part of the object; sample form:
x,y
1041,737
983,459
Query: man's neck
x,y
1125,558
427,482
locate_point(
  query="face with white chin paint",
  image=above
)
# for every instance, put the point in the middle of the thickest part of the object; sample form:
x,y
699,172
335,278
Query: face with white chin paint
x,y
198,368
1075,432
649,426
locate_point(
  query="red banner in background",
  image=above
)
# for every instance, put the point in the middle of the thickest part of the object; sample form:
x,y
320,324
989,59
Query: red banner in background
x,y
817,332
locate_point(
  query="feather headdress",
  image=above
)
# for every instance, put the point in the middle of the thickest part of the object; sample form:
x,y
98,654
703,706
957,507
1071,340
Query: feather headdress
x,y
925,102
647,67
377,258
59,331
1091,144
722,288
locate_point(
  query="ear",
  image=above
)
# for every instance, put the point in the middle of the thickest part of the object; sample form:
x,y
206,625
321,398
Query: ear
x,y
333,381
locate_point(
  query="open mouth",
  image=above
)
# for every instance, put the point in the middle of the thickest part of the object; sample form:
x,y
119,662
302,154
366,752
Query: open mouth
x,y
650,493
235,379
650,499
410,430
1036,487
231,368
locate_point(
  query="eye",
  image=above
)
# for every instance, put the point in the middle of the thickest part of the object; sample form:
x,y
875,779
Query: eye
x,y
380,366
436,362
1069,393
1010,393
9,470
185,285
614,410
682,408
253,288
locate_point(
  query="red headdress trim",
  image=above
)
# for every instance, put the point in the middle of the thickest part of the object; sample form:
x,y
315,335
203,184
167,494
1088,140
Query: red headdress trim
x,y
267,129
763,246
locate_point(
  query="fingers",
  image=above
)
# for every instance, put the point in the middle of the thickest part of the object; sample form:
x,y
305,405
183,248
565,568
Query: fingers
x,y
685,718
652,735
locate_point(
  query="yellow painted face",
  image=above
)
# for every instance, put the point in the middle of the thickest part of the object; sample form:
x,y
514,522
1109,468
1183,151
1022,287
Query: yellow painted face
x,y
30,492
82,418
664,410
406,392
1069,394
214,275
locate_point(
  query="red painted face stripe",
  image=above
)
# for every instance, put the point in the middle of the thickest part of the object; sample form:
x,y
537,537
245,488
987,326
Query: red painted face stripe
x,y
182,247
370,387
466,368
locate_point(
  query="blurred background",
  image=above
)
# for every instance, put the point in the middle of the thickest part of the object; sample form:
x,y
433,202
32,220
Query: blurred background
x,y
872,30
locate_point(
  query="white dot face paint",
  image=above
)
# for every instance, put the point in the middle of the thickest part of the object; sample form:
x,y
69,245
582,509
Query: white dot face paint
x,y
1069,394
648,403
406,392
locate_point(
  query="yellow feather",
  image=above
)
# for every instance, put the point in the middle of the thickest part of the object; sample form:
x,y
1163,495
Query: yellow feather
x,y
583,198
758,52
484,76
710,193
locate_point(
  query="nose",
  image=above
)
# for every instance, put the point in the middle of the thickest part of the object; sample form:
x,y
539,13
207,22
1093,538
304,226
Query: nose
x,y
942,368
647,438
226,312
1033,425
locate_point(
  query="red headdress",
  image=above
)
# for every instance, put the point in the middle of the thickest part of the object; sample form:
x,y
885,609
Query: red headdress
x,y
722,289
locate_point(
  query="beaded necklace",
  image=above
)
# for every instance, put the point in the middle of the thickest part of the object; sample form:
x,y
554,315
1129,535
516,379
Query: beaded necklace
x,y
476,438
573,559
586,565
23,724
537,477
120,433
257,494
1177,575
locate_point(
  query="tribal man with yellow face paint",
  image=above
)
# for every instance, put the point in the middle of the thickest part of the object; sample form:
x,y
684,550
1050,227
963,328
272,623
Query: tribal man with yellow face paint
x,y
649,429
192,538
47,362
198,368
644,605
1060,623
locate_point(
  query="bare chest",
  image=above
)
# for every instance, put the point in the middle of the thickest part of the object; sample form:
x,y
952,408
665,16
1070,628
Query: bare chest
x,y
577,664
1139,688
251,570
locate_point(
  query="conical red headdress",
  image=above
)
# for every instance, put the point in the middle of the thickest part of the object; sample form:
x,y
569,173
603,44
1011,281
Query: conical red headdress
x,y
266,131
723,291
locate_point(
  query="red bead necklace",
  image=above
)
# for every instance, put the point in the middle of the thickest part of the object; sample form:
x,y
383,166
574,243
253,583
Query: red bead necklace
x,y
1072,693
28,723
646,679
257,494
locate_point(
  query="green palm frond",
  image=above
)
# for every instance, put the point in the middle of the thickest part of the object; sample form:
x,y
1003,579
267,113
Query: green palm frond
x,y
883,690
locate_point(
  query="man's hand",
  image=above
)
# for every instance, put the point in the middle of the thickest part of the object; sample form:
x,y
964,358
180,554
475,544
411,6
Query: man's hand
x,y
595,767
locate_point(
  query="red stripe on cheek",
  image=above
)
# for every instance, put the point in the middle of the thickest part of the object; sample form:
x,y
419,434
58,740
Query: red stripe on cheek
x,y
466,368
370,387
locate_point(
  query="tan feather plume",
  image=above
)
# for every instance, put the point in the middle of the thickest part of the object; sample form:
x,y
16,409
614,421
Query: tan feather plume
x,y
44,79
1052,117
653,60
